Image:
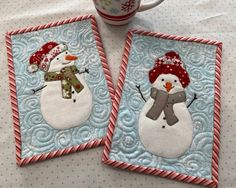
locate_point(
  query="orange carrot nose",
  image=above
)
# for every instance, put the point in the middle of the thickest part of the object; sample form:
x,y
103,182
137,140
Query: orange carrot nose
x,y
168,86
71,57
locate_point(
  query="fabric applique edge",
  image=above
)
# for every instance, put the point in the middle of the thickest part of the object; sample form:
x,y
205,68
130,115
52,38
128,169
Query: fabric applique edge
x,y
213,182
13,95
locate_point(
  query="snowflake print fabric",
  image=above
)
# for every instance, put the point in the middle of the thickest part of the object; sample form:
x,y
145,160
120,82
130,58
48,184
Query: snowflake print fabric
x,y
128,5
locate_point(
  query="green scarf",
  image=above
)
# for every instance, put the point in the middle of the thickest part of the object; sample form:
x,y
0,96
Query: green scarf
x,y
68,80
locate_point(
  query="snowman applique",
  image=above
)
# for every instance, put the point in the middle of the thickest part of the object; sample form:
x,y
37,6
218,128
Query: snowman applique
x,y
165,124
65,100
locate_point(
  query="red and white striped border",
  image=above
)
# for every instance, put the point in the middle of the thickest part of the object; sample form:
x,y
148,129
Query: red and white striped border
x,y
113,118
13,93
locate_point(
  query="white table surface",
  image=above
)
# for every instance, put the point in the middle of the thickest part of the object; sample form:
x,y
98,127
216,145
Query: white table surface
x,y
213,19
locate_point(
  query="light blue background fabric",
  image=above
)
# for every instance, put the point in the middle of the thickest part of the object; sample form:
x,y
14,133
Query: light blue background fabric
x,y
37,136
199,61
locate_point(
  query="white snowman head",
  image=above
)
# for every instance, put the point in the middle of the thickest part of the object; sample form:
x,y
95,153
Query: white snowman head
x,y
169,83
51,57
62,60
168,74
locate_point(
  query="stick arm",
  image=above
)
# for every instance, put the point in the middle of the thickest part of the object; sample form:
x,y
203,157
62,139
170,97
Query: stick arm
x,y
194,98
140,92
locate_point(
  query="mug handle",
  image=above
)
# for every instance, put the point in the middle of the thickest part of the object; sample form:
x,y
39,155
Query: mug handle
x,y
150,5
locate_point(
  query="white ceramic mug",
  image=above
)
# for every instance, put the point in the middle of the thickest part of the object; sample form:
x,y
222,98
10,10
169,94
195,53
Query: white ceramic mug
x,y
119,12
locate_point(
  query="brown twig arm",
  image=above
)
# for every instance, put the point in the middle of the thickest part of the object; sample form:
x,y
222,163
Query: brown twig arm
x,y
194,98
139,90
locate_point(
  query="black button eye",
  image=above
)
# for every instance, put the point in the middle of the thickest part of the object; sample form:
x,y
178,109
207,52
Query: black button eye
x,y
58,58
162,79
175,80
66,52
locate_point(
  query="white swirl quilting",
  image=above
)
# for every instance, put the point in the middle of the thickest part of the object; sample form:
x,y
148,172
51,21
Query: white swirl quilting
x,y
37,136
83,134
199,61
32,118
100,115
127,121
63,139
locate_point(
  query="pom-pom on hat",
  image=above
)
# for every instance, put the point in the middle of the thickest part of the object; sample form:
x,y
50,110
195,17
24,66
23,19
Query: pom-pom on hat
x,y
170,63
41,59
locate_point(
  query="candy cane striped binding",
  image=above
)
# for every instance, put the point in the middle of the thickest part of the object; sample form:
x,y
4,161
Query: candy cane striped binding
x,y
13,93
113,118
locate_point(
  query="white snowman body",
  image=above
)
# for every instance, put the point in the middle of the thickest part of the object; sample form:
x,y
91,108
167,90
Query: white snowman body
x,y
157,136
61,113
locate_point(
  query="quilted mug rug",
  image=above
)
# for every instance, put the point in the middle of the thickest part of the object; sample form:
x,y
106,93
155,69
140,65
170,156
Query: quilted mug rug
x,y
60,88
165,119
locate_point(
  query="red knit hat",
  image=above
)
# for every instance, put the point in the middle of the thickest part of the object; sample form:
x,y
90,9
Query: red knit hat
x,y
170,63
41,59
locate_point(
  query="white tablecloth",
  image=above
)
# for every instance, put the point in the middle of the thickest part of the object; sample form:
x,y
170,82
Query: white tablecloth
x,y
213,19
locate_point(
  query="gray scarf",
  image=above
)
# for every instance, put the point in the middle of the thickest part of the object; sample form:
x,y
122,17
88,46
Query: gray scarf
x,y
165,101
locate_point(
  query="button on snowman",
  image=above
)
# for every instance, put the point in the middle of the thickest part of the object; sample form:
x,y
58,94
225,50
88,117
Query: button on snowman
x,y
165,124
65,100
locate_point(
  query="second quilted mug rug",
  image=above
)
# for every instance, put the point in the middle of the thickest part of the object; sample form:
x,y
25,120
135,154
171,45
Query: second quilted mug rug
x,y
61,88
166,112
